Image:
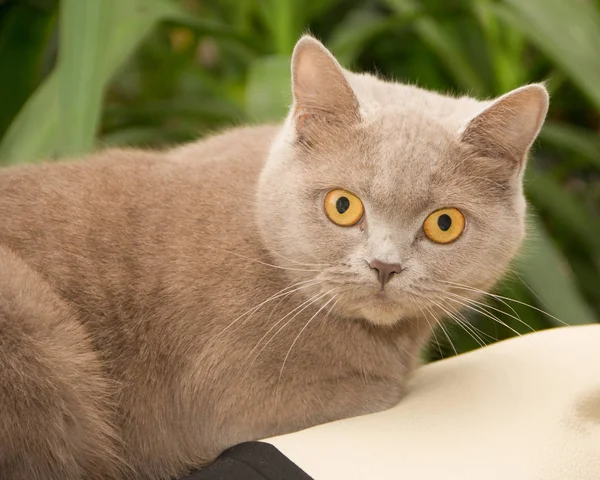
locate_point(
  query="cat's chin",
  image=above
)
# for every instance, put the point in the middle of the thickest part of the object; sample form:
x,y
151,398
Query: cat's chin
x,y
379,309
380,316
376,307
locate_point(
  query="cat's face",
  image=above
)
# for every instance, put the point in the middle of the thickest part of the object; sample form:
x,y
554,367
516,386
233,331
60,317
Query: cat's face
x,y
343,190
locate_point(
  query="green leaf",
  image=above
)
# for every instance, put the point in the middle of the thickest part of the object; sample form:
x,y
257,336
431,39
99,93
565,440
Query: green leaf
x,y
550,195
576,139
445,44
352,33
567,32
528,318
36,132
24,33
284,19
504,47
85,29
33,134
268,94
548,274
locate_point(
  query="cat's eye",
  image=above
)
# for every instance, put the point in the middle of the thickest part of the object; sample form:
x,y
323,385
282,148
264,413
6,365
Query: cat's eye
x,y
444,225
343,208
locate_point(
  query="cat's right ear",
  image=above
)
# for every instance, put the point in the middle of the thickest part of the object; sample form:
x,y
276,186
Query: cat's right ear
x,y
509,126
320,89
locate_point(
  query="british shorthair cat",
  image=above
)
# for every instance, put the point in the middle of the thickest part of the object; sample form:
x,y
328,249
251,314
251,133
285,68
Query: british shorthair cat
x,y
157,307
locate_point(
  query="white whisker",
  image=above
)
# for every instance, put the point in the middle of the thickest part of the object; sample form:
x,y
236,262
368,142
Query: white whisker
x,y
459,322
281,293
482,292
443,330
486,313
472,327
500,298
301,331
303,306
519,319
261,262
432,328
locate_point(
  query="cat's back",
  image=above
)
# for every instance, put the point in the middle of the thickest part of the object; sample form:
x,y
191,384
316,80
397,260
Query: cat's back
x,y
113,185
115,216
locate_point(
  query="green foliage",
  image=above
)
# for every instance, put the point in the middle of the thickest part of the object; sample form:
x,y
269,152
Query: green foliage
x,y
83,74
96,37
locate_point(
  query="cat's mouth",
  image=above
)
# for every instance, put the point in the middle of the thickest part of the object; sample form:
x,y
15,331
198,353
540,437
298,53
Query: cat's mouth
x,y
382,294
366,298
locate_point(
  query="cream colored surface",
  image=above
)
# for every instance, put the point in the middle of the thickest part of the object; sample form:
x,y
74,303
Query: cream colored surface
x,y
527,408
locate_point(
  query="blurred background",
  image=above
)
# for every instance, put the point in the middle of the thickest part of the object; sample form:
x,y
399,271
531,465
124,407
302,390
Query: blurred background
x,y
83,74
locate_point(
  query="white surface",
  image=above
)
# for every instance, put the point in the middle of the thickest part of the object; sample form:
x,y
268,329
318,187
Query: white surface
x,y
526,408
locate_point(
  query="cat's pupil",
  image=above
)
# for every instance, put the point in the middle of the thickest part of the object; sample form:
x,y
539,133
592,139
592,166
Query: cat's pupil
x,y
444,222
342,204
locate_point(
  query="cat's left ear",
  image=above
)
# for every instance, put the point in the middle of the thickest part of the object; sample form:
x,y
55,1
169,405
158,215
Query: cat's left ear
x,y
319,86
508,127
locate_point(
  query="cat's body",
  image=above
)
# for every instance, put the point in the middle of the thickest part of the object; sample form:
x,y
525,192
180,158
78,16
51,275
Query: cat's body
x,y
155,282
130,345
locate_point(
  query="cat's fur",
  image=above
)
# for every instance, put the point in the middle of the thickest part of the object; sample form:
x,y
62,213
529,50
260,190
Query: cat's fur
x,y
124,277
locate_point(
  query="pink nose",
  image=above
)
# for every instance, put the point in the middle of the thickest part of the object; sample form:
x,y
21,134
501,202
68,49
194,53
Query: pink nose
x,y
385,270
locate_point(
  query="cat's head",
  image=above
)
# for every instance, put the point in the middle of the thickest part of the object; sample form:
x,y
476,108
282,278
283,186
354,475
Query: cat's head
x,y
392,196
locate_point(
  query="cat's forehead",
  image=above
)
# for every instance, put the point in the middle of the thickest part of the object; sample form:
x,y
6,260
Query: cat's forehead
x,y
409,152
411,132
399,159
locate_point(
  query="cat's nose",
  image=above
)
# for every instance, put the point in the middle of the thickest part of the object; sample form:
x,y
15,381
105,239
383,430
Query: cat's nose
x,y
385,270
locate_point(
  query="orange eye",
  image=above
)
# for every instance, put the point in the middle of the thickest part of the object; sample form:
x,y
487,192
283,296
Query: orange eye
x,y
444,225
343,208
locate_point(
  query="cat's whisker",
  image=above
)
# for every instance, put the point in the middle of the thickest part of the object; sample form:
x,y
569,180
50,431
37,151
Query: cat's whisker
x,y
441,325
464,324
563,323
299,309
281,293
332,307
307,256
482,292
486,313
432,328
447,335
473,327
500,298
467,328
339,292
287,298
463,319
459,322
519,319
261,262
529,288
302,331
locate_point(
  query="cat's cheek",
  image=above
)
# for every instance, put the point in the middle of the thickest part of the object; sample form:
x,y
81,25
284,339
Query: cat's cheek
x,y
356,261
415,269
342,244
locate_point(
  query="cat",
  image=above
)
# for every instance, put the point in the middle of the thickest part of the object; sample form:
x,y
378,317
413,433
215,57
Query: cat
x,y
157,307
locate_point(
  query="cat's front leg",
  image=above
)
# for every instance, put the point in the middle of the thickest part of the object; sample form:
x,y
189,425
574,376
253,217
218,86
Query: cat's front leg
x,y
281,408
